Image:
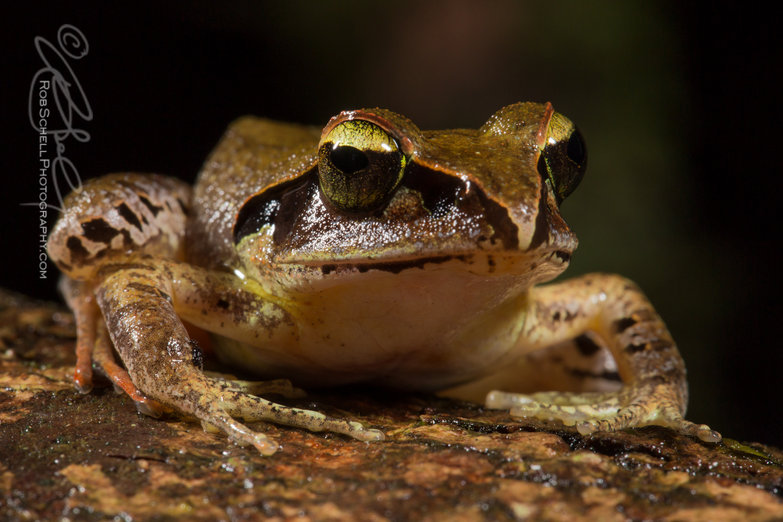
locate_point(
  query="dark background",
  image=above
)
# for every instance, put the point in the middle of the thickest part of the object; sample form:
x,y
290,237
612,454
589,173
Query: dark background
x,y
679,106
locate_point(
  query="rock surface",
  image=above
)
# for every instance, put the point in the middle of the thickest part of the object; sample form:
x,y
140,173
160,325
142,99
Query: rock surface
x,y
92,457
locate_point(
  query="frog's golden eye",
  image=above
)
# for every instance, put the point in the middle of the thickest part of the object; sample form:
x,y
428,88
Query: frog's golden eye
x,y
564,159
359,166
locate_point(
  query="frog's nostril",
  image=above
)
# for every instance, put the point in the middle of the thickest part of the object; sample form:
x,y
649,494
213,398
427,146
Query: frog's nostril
x,y
348,159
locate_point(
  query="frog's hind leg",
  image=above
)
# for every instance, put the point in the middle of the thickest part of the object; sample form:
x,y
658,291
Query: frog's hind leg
x,y
614,310
93,347
581,364
596,411
105,222
82,302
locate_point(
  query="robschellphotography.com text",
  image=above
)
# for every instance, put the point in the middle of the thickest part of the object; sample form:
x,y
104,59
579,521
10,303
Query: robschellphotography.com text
x,y
44,163
56,105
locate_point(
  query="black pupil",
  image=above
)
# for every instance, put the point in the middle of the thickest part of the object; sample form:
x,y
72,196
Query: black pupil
x,y
576,148
348,159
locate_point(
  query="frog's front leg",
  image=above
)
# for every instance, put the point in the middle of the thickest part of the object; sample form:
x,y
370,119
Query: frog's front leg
x,y
655,389
120,245
142,303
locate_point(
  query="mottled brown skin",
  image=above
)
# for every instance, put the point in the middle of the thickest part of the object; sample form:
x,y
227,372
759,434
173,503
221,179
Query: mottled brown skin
x,y
428,286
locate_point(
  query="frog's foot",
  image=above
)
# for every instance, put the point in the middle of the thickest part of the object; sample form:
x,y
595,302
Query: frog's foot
x,y
221,402
611,411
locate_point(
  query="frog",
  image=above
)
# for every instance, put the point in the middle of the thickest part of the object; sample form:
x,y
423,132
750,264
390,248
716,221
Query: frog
x,y
366,252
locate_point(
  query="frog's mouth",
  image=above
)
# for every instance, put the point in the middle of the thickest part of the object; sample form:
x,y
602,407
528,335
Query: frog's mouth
x,y
482,263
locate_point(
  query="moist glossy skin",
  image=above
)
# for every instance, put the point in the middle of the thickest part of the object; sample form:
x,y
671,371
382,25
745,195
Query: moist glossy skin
x,y
366,251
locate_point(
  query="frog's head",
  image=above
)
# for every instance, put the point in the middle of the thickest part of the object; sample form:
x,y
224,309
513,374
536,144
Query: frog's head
x,y
384,195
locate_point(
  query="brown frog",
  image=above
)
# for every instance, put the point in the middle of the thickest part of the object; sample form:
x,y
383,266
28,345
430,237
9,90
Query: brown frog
x,y
369,251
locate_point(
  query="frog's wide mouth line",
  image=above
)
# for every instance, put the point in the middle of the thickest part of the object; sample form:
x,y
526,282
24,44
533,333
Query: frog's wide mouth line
x,y
391,266
488,262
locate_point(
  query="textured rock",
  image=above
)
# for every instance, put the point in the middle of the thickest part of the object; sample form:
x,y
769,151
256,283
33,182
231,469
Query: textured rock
x,y
91,457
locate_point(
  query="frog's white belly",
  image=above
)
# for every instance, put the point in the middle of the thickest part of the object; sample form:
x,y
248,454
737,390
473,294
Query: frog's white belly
x,y
422,328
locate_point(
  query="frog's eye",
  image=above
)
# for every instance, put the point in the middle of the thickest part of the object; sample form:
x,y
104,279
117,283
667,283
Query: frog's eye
x,y
564,159
359,166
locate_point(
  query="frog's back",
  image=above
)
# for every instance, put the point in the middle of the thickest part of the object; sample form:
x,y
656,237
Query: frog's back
x,y
253,154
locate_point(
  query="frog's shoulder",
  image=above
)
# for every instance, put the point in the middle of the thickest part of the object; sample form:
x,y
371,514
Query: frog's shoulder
x,y
253,154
